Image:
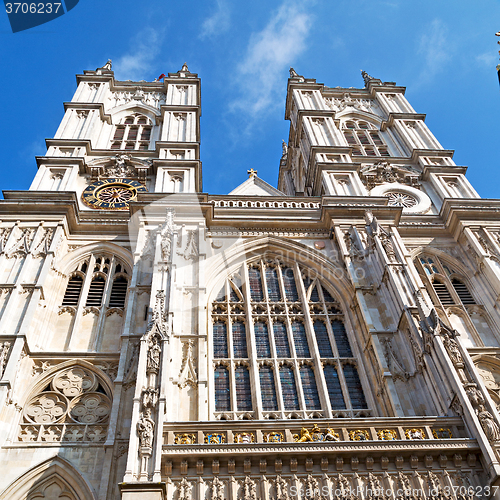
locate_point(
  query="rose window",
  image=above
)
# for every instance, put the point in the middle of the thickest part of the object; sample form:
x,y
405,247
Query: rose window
x,y
399,199
74,406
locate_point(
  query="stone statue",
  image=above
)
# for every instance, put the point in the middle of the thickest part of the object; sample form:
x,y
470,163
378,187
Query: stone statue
x,y
4,351
284,147
154,349
489,425
366,77
145,429
185,68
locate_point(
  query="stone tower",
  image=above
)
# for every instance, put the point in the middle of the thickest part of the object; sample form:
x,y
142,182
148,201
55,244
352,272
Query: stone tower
x,y
336,337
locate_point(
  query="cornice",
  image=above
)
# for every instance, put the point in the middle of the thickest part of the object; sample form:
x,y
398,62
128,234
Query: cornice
x,y
88,105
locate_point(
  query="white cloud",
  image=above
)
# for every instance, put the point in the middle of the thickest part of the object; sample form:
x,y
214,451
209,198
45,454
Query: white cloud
x,y
434,47
218,22
137,63
488,59
270,52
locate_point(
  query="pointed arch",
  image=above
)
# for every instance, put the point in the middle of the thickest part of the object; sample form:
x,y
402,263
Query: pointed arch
x,y
55,473
287,290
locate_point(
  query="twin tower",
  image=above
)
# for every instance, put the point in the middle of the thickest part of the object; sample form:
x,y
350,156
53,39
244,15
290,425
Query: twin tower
x,y
336,337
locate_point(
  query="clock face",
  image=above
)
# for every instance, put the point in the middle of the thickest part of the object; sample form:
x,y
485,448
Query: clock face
x,y
112,194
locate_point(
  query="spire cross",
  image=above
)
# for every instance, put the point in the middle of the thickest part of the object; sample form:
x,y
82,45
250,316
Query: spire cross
x,y
251,173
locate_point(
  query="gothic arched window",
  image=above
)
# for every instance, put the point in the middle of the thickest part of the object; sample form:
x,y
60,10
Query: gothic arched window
x,y
99,280
364,138
280,348
451,295
134,132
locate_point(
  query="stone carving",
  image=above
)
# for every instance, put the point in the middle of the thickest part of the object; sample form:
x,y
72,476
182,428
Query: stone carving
x,y
166,232
47,408
42,247
185,439
215,438
383,172
21,245
244,437
488,424
395,366
284,148
294,74
91,408
4,236
315,434
273,437
217,492
153,99
374,490
191,251
343,490
366,77
311,487
154,350
248,489
475,395
74,381
145,429
353,244
148,250
359,435
184,490
387,434
281,488
69,411
4,353
120,166
341,103
149,398
187,375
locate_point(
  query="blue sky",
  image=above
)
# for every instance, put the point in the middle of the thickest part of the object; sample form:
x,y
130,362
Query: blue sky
x,y
443,51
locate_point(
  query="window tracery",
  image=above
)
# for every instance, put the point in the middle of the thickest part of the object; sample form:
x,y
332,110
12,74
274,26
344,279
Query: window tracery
x,y
281,331
134,132
364,138
74,406
105,279
450,293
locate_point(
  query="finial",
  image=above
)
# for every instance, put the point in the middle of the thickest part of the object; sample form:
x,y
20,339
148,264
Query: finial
x,y
185,68
107,66
366,77
252,173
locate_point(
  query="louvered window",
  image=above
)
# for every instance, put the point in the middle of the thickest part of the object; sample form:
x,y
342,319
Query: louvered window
x,y
118,292
443,293
363,140
96,292
462,292
281,332
73,291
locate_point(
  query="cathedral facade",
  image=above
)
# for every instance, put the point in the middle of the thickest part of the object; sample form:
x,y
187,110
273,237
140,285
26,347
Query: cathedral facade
x,y
336,337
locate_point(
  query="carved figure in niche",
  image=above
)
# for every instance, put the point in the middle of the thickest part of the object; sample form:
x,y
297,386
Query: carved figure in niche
x,y
489,425
453,350
145,429
154,349
4,351
217,489
249,489
149,397
184,490
281,488
475,396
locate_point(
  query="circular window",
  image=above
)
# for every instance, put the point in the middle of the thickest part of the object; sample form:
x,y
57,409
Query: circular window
x,y
399,199
411,200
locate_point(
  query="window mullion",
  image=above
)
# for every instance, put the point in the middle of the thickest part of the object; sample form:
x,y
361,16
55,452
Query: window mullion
x,y
277,383
254,371
323,392
83,299
97,336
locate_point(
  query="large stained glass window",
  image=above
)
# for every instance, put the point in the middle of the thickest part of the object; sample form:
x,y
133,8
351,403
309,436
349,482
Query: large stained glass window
x,y
281,332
